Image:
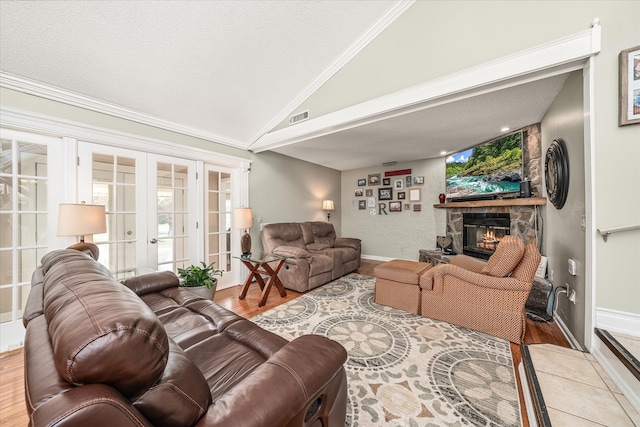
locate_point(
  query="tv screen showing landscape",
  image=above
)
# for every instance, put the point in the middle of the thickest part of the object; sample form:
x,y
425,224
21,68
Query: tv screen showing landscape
x,y
488,168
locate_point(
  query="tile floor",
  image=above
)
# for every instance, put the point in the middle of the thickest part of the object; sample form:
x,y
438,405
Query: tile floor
x,y
577,391
630,343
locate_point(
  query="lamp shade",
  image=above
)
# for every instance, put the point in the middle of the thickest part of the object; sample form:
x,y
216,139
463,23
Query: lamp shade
x,y
242,218
327,205
81,219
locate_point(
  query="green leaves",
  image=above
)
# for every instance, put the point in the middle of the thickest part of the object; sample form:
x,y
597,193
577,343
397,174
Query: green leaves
x,y
194,276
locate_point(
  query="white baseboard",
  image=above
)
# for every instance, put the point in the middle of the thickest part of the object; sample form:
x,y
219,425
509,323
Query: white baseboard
x,y
618,321
566,332
376,258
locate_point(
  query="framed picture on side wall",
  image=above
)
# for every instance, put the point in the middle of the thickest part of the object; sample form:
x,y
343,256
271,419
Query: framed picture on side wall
x,y
385,193
395,206
629,86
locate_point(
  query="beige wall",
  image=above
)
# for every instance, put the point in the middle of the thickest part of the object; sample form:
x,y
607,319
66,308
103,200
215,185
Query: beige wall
x,y
398,234
564,238
283,189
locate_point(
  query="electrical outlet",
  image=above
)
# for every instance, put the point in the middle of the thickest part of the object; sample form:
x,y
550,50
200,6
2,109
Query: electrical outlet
x,y
551,275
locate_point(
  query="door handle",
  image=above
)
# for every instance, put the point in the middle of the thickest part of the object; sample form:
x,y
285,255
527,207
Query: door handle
x,y
153,241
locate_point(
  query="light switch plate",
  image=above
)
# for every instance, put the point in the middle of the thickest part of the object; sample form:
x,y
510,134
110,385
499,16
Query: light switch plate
x,y
573,267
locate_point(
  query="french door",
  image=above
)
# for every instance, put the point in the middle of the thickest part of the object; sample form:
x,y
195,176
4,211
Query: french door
x,y
151,206
31,183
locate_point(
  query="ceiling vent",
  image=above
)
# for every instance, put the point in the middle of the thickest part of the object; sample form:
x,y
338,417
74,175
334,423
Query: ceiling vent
x,y
300,117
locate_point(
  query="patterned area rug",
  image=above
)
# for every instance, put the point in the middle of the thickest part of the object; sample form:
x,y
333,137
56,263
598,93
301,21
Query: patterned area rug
x,y
404,369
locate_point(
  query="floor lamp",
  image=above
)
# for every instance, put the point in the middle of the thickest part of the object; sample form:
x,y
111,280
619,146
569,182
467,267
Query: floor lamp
x,y
80,219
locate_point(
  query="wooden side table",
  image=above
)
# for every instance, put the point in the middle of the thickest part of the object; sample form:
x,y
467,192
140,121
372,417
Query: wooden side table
x,y
258,267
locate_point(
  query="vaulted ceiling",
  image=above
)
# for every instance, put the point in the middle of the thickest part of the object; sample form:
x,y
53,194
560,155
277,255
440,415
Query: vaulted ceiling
x,y
230,71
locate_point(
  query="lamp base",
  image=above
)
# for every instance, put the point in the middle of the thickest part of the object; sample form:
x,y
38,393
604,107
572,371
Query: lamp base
x,y
245,244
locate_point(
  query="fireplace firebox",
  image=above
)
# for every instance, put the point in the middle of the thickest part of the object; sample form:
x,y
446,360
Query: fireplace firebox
x,y
482,232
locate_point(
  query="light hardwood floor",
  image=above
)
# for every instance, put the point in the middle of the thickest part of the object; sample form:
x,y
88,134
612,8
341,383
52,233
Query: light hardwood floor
x,y
12,405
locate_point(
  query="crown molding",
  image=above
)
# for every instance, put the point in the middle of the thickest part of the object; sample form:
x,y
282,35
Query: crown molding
x,y
553,58
356,47
30,121
32,87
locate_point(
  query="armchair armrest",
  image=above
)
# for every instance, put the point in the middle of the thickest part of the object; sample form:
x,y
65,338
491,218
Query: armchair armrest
x,y
283,386
434,279
92,404
291,251
468,263
347,242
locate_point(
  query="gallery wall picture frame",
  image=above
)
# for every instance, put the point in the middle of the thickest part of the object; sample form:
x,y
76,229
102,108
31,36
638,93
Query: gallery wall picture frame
x,y
362,204
398,184
368,192
414,195
402,195
418,180
629,86
385,193
395,206
408,181
417,207
371,202
386,181
407,207
362,182
358,192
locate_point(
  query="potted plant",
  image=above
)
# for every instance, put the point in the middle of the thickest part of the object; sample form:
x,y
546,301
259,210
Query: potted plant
x,y
200,280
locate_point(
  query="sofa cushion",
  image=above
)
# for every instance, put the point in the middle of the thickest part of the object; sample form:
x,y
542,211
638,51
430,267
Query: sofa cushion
x,y
291,251
317,246
323,232
282,234
526,269
181,396
506,257
101,332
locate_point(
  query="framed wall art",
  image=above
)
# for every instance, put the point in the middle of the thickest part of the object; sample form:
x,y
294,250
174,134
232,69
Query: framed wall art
x,y
362,204
368,192
395,206
418,180
371,202
401,195
362,182
358,192
386,181
374,179
629,86
414,195
407,207
408,181
398,184
385,193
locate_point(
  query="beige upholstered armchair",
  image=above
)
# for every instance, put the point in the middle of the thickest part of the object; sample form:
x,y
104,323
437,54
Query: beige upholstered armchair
x,y
484,296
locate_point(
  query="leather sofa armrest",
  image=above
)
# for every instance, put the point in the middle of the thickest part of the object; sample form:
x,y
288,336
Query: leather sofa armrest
x,y
96,405
347,242
153,282
291,380
291,251
468,263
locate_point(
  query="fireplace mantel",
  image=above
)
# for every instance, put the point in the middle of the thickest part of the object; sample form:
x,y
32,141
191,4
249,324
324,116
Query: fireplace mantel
x,y
531,201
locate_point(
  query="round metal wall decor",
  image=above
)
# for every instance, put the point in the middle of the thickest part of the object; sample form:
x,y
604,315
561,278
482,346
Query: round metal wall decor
x,y
556,173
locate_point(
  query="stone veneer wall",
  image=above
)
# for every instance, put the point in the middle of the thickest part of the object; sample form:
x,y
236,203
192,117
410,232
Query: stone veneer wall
x,y
526,221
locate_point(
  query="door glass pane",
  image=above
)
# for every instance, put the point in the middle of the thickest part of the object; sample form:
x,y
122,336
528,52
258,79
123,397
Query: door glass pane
x,y
114,186
23,218
173,215
219,219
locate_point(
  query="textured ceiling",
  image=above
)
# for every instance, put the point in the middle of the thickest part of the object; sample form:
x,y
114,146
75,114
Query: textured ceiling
x,y
229,71
225,69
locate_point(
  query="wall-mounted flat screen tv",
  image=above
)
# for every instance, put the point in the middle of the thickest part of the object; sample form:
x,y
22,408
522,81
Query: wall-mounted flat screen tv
x,y
489,168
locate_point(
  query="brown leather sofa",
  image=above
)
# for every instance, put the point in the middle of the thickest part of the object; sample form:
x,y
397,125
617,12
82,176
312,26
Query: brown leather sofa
x,y
316,255
147,352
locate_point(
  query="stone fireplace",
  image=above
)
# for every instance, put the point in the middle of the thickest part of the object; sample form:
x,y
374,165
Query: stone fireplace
x,y
481,233
525,215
